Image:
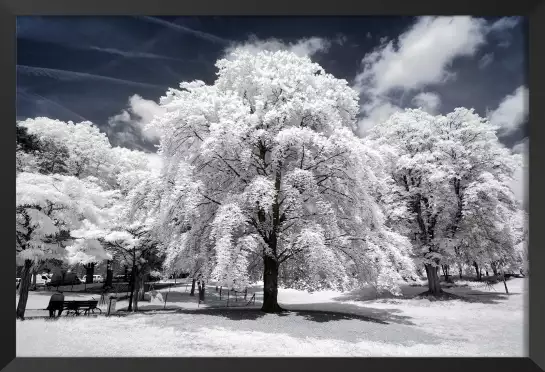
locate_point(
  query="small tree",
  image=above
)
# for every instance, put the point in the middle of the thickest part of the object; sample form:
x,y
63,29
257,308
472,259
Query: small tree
x,y
47,208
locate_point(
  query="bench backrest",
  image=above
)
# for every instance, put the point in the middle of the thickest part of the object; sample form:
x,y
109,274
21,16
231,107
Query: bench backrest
x,y
80,303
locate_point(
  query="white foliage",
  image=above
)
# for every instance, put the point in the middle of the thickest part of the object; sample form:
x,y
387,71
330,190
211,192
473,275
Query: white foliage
x,y
265,163
86,145
48,205
446,171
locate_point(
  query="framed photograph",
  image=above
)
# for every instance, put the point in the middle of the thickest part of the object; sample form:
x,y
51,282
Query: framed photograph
x,y
277,185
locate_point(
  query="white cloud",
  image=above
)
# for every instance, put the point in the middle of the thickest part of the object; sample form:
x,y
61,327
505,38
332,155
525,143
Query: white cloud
x,y
505,23
341,39
123,116
303,47
511,112
428,101
486,60
377,112
155,162
423,55
521,147
308,47
419,57
504,44
130,123
146,110
500,29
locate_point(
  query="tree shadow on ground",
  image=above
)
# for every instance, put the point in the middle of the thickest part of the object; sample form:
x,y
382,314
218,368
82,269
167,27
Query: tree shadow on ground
x,y
328,316
319,316
452,293
476,296
229,313
339,311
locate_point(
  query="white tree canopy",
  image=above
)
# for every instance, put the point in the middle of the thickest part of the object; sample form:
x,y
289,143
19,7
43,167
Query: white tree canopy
x,y
88,151
450,184
90,164
49,206
265,162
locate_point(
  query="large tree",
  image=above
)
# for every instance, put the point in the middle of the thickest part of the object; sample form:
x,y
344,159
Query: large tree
x,y
266,162
440,167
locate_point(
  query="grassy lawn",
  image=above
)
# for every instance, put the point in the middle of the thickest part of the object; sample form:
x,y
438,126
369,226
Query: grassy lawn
x,y
485,322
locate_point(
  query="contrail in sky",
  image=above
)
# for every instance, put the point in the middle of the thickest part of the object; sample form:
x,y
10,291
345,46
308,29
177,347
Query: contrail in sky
x,y
32,96
133,54
177,27
115,51
28,32
66,75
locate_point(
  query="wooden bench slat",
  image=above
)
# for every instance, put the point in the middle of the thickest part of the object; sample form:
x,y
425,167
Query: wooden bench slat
x,y
75,304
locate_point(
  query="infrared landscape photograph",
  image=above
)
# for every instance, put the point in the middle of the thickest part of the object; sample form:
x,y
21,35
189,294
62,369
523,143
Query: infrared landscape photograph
x,y
271,186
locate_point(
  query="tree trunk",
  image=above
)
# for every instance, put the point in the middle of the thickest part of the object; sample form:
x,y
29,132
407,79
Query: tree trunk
x,y
494,269
23,289
476,266
141,287
136,295
486,272
34,275
460,271
270,286
109,274
192,293
445,271
434,288
201,287
132,285
504,281
89,272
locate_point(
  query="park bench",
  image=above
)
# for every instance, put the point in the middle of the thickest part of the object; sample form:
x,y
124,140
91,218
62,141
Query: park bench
x,y
77,307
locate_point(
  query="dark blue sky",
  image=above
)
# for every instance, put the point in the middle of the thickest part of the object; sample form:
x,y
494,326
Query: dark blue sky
x,y
86,68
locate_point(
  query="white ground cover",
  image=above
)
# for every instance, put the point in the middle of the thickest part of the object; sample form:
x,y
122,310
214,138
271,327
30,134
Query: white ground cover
x,y
321,324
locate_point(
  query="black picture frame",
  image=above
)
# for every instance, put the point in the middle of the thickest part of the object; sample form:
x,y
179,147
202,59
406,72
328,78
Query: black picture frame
x,y
534,10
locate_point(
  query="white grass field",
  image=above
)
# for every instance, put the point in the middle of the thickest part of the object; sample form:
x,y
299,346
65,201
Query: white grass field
x,y
486,323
